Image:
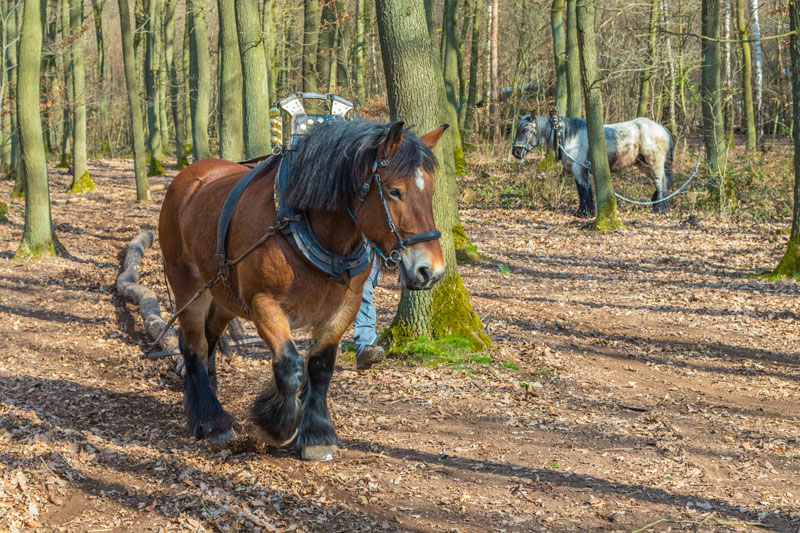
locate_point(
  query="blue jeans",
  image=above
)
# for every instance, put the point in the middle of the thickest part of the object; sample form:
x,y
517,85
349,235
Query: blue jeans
x,y
364,332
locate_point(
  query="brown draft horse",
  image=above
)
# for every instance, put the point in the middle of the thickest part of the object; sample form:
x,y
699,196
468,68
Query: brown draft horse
x,y
278,289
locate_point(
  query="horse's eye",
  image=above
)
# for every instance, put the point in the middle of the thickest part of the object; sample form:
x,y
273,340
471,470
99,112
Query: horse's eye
x,y
395,193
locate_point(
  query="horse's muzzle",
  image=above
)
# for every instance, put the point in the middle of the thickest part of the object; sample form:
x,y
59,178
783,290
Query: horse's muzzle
x,y
421,276
518,151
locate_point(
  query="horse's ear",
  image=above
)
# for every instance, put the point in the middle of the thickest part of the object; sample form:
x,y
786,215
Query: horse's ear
x,y
393,140
431,139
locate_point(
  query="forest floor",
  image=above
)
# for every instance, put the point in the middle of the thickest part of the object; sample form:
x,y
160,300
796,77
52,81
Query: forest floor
x,y
635,376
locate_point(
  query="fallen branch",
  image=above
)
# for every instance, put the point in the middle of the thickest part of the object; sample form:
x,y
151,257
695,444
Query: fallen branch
x,y
129,288
706,519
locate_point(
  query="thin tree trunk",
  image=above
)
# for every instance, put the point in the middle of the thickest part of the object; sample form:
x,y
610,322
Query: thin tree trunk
x,y
134,103
573,63
359,65
151,89
66,140
175,92
474,68
199,79
327,42
450,77
747,76
494,105
607,218
559,55
256,99
185,66
8,95
231,131
310,43
727,97
647,73
38,235
416,95
105,139
81,181
758,69
673,121
163,79
268,30
466,30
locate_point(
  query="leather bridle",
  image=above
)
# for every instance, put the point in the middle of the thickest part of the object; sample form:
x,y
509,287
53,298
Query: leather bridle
x,y
394,257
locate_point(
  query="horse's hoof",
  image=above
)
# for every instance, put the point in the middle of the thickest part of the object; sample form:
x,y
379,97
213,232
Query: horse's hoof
x,y
220,439
321,452
278,443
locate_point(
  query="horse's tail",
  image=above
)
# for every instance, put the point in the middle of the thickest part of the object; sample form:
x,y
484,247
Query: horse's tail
x,y
668,161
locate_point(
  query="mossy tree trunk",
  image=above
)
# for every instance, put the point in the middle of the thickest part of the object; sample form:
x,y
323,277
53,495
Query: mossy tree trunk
x,y
175,92
466,30
450,76
607,218
199,78
231,138
134,103
790,263
256,95
105,139
747,76
559,55
151,88
359,45
650,63
66,139
416,95
38,236
573,63
81,181
474,67
310,44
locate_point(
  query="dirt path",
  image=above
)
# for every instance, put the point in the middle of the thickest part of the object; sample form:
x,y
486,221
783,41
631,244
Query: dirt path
x,y
635,376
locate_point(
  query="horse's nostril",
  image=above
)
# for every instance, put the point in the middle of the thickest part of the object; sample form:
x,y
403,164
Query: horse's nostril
x,y
423,274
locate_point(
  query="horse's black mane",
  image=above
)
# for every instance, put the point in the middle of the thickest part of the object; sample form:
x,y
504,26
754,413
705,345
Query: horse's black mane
x,y
569,128
335,158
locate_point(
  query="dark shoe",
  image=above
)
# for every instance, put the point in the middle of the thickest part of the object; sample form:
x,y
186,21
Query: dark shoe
x,y
369,356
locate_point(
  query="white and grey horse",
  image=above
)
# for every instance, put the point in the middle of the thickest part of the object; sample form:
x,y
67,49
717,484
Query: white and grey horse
x,y
641,142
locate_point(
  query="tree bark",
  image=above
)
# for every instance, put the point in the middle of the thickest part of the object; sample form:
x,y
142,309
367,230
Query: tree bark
x,y
151,88
38,236
747,76
105,139
268,30
175,92
727,96
66,139
416,95
199,78
310,43
450,77
327,42
474,68
494,104
573,63
8,76
607,218
466,30
256,99
231,138
81,181
559,55
758,69
790,263
647,73
713,134
134,103
359,44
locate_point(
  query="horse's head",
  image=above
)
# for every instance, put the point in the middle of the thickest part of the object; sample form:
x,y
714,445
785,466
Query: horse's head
x,y
527,137
397,211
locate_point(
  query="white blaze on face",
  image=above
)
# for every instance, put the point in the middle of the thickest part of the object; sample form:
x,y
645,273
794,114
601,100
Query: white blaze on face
x,y
420,180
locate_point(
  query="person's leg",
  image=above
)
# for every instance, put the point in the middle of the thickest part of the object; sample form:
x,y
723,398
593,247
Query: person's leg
x,y
364,332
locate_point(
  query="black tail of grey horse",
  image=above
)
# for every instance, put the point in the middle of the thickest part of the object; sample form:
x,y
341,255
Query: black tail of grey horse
x,y
641,142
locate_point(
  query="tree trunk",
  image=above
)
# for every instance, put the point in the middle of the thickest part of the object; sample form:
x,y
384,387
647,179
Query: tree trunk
x,y
11,157
186,70
559,55
758,68
175,92
359,65
38,236
466,29
713,134
256,99
450,76
8,76
310,44
268,30
494,105
647,73
105,139
474,67
327,42
747,76
134,103
607,218
163,80
81,181
199,78
673,120
573,63
416,95
66,140
790,263
151,88
231,138
727,97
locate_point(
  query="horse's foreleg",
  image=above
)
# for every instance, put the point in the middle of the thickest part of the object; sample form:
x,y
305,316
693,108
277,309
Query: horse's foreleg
x,y
660,182
206,417
217,321
584,185
277,410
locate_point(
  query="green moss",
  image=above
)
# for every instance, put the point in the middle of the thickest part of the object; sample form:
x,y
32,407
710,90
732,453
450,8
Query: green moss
x,y
182,163
82,184
548,162
789,266
466,252
16,193
451,350
106,147
607,219
47,248
155,168
452,314
3,212
458,155
65,160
